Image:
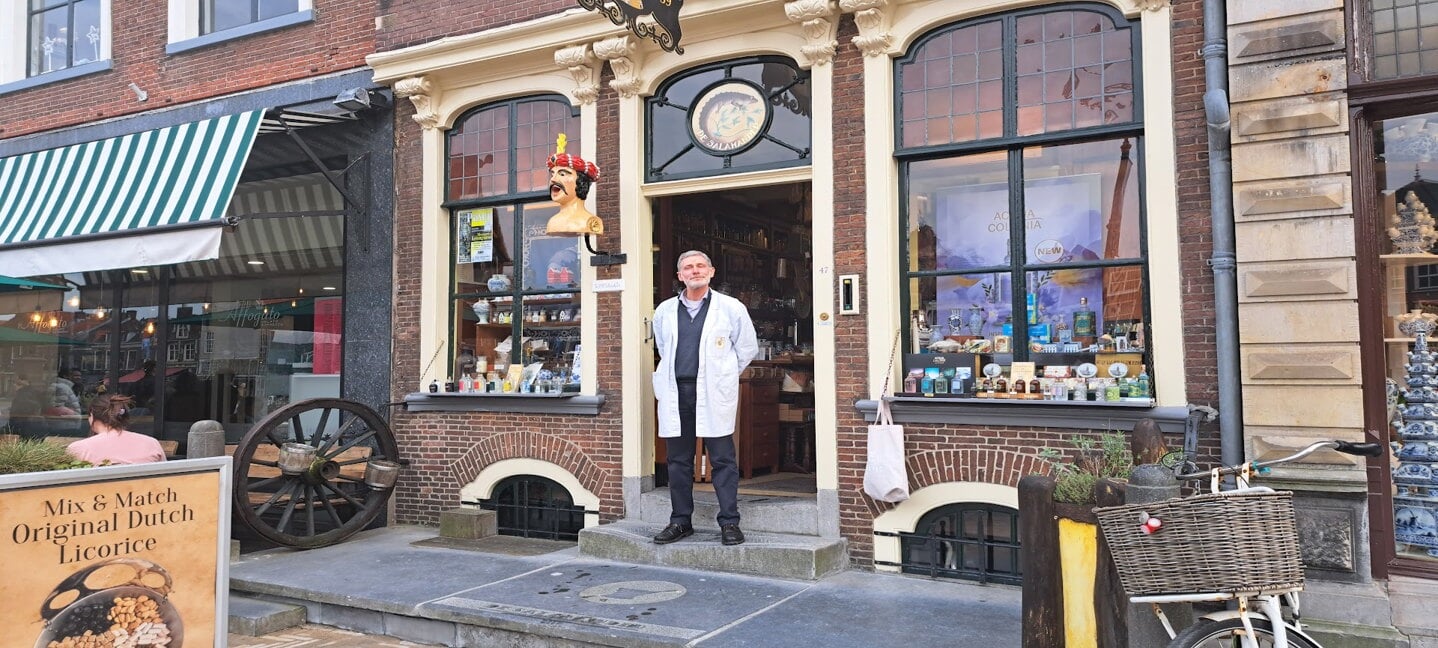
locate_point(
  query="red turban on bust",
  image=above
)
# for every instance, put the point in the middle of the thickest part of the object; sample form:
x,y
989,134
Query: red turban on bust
x,y
579,164
574,162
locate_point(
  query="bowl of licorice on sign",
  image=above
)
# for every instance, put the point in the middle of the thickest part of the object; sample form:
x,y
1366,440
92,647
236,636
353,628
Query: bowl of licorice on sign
x,y
120,603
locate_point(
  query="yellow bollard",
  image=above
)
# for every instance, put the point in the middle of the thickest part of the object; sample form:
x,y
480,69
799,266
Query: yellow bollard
x,y
1078,558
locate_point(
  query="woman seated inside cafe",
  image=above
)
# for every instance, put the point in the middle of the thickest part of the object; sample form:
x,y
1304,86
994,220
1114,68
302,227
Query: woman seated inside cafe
x,y
109,442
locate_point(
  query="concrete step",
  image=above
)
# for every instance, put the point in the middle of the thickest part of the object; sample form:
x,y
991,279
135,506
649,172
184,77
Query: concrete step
x,y
804,557
762,513
254,617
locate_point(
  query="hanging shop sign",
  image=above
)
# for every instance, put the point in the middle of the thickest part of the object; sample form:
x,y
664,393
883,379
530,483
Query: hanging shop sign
x,y
729,117
665,28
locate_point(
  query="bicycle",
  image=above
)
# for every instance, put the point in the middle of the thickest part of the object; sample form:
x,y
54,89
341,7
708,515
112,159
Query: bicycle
x,y
1238,546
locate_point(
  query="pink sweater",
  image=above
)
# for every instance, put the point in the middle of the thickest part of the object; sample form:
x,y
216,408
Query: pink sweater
x,y
122,447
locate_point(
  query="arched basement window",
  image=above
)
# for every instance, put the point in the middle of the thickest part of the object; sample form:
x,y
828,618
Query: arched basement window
x,y
968,541
530,506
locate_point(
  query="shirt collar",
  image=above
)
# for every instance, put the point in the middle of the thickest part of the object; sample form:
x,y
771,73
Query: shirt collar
x,y
694,304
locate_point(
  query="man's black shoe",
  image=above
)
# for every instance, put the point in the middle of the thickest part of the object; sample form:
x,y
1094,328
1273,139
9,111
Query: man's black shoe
x,y
673,532
730,534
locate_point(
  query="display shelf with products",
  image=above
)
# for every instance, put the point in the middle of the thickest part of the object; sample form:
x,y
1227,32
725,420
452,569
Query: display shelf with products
x,y
548,330
1088,377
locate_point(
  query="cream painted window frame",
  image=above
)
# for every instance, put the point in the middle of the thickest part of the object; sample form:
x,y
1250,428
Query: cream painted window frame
x,y
892,36
15,38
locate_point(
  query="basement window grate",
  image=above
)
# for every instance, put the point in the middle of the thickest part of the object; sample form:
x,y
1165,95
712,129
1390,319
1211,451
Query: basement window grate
x,y
529,506
968,541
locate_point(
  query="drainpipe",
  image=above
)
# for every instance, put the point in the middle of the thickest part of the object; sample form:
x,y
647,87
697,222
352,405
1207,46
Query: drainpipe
x,y
1224,260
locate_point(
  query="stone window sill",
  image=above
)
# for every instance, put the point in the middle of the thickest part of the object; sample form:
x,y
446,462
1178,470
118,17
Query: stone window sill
x,y
576,404
252,29
73,72
1048,414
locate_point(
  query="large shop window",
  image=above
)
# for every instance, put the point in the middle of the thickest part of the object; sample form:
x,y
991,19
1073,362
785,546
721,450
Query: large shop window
x,y
1019,138
229,339
515,296
1407,185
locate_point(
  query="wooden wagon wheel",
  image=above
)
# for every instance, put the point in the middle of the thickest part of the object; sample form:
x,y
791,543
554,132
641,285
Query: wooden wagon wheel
x,y
304,476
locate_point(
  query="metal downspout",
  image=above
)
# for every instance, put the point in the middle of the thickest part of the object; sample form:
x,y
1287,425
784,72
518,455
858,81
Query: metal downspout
x,y
1224,260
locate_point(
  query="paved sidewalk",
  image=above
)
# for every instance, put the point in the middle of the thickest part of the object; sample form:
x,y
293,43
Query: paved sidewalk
x,y
382,582
318,636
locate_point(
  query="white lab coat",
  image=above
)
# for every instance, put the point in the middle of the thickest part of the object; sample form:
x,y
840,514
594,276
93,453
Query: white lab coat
x,y
726,346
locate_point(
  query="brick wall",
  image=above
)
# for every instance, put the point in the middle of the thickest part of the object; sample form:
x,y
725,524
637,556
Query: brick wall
x,y
341,35
402,24
447,451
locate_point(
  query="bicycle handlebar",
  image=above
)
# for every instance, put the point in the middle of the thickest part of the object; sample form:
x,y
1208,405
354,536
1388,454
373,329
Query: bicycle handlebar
x,y
1346,447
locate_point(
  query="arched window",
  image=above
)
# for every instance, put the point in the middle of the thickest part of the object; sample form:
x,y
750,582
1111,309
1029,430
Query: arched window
x,y
744,115
1019,138
966,541
511,281
530,506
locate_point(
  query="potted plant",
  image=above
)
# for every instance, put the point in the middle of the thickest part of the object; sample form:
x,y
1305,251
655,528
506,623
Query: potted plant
x,y
1067,598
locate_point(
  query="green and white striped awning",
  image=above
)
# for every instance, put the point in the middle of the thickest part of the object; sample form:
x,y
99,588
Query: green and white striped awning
x,y
146,185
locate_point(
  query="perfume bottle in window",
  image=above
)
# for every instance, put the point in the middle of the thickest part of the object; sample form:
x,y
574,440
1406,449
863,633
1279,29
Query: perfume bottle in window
x,y
1083,319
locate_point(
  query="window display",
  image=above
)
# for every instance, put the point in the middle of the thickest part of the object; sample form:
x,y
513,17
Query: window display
x,y
1406,196
515,297
1024,248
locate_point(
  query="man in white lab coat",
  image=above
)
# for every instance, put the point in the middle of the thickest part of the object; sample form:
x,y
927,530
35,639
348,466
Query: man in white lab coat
x,y
705,340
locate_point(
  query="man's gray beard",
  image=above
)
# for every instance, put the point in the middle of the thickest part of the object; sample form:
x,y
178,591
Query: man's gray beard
x,y
696,284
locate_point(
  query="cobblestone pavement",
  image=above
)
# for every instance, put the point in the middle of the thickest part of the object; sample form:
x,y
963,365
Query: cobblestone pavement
x,y
318,636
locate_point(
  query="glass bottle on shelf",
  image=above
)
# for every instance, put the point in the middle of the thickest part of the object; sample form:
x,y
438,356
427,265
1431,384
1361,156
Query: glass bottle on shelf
x,y
1083,319
1143,388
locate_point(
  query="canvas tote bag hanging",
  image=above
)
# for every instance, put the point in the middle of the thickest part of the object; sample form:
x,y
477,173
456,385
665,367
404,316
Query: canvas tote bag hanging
x,y
885,477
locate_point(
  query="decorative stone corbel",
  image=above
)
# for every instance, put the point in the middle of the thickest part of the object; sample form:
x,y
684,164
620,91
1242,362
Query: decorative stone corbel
x,y
873,20
1153,5
820,29
422,94
584,67
623,57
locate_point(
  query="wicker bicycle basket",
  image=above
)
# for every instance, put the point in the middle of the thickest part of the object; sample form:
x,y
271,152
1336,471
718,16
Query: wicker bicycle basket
x,y
1217,542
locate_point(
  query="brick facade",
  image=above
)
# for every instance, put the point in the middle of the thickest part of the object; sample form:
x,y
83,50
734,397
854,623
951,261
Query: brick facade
x,y
457,446
409,23
450,450
340,37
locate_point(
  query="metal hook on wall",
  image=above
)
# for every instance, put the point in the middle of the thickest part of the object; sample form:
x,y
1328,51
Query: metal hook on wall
x,y
602,258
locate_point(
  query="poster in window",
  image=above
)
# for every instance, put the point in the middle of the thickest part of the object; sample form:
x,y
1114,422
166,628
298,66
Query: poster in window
x,y
1062,224
474,236
549,261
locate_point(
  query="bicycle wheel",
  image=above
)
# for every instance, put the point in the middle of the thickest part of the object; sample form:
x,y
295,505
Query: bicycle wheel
x,y
1228,633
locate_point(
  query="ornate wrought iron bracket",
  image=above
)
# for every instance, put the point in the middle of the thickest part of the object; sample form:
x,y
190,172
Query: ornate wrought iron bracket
x,y
664,29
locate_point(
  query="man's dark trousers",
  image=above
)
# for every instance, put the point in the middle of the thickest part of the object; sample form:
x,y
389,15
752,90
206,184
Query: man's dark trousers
x,y
724,465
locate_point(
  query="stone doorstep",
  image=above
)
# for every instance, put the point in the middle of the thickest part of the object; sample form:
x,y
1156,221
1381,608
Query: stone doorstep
x,y
254,617
1334,634
793,556
763,514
